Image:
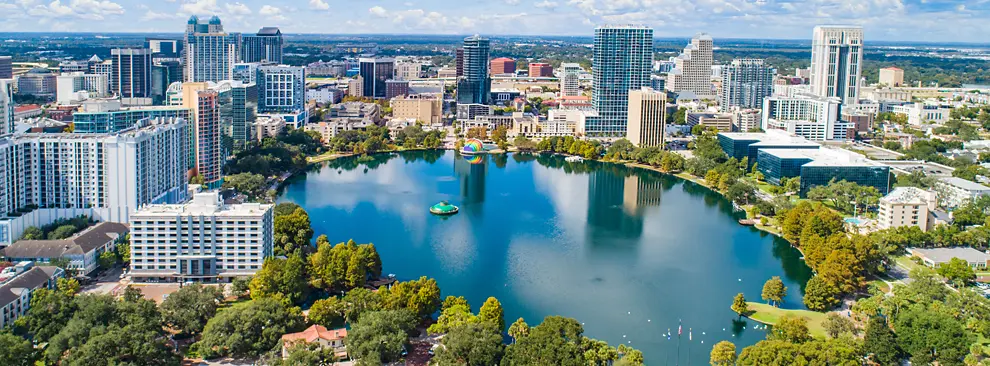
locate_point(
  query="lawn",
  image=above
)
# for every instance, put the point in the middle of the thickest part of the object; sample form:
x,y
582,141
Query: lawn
x,y
767,314
906,262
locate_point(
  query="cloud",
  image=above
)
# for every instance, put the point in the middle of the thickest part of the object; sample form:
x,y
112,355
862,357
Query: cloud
x,y
81,9
378,11
546,4
319,5
152,15
237,9
271,12
199,7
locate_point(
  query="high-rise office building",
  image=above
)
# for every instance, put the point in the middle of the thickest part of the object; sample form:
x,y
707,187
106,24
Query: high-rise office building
x,y
474,87
374,72
6,67
73,87
246,72
107,116
647,113
570,85
540,70
238,109
623,61
812,117
394,88
282,89
163,74
105,176
6,107
206,149
459,61
169,49
203,240
503,65
131,76
408,70
891,76
745,82
264,46
836,62
210,53
693,68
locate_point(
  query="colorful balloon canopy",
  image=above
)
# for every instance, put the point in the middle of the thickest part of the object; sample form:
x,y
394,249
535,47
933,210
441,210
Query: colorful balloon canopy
x,y
473,159
473,146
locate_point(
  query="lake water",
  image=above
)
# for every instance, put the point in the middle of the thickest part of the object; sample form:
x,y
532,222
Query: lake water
x,y
630,253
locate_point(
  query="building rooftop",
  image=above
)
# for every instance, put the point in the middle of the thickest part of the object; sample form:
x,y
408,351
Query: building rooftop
x,y
824,157
205,204
769,137
315,332
269,31
943,255
903,195
79,244
33,278
964,184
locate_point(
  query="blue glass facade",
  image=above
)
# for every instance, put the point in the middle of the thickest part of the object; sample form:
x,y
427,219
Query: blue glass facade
x,y
623,61
774,168
114,121
740,148
874,176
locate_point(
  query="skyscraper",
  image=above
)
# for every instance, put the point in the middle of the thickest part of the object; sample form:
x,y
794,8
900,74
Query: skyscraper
x,y
170,49
210,53
206,138
6,67
459,61
266,45
569,80
374,72
238,109
693,68
6,107
745,83
474,87
163,74
647,111
282,89
623,61
131,75
836,62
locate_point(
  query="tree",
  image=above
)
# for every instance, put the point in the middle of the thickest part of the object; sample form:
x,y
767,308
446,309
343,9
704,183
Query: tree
x,y
51,310
774,290
957,271
328,312
523,143
250,184
499,135
303,353
556,341
285,208
33,233
422,296
107,259
739,305
454,314
598,352
491,311
359,301
239,286
292,231
790,328
836,324
378,336
723,354
249,329
880,343
518,329
191,307
932,336
820,295
283,279
16,351
471,344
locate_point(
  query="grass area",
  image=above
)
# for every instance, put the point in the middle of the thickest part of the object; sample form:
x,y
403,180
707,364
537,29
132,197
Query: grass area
x,y
881,285
906,262
767,314
327,156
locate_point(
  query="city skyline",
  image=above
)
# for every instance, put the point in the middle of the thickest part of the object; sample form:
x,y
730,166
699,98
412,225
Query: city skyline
x,y
884,20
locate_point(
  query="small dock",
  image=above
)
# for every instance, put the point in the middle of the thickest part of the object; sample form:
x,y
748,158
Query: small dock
x,y
748,222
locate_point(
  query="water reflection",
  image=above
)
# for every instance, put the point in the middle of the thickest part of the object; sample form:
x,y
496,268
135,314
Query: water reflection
x,y
471,171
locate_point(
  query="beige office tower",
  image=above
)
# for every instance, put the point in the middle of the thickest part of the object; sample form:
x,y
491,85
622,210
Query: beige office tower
x,y
693,68
836,62
647,110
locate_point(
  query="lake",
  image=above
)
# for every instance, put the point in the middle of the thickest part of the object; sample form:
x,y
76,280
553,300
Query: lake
x,y
630,253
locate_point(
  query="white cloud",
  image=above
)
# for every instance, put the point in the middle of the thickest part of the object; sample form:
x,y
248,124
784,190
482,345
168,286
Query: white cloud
x,y
271,12
82,9
319,5
237,9
512,2
152,15
546,4
199,7
378,11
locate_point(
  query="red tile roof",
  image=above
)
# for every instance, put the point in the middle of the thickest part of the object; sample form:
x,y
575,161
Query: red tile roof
x,y
316,332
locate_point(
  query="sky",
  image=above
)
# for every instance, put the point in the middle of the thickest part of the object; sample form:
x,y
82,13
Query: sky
x,y
887,20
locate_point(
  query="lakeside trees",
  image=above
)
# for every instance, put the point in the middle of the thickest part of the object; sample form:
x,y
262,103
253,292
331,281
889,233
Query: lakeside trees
x,y
774,291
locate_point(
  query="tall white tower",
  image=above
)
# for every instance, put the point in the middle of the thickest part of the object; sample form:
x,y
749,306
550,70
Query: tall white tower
x,y
836,62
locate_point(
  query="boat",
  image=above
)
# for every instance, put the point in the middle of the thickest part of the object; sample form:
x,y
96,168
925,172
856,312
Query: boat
x,y
573,159
443,208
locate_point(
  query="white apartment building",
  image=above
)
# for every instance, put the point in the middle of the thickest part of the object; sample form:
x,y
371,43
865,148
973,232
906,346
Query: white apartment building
x,y
693,68
203,240
17,283
49,176
570,79
747,119
71,88
808,116
408,70
954,191
6,107
836,62
906,206
923,113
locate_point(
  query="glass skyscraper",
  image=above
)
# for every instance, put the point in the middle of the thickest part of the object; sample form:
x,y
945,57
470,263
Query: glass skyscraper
x,y
623,61
745,83
210,53
475,86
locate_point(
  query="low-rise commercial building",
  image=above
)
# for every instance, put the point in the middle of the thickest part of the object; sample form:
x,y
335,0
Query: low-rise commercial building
x,y
936,257
18,283
203,240
923,113
720,121
811,117
266,127
427,108
954,191
741,145
82,250
819,167
906,206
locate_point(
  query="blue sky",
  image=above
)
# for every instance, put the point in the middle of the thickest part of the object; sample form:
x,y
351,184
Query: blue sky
x,y
903,20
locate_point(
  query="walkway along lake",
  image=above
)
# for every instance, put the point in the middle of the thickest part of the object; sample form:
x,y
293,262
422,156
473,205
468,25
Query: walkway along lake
x,y
629,252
